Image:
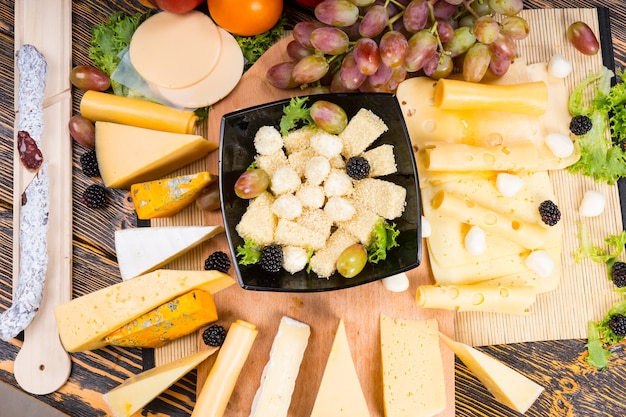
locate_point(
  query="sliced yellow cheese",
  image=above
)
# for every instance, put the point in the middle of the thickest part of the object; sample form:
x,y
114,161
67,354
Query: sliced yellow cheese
x,y
508,386
138,390
176,318
167,197
144,249
413,379
84,322
340,392
278,379
175,50
489,298
220,382
466,158
128,154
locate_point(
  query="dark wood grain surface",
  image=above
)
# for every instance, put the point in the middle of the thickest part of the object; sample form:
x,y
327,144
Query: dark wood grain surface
x,y
572,387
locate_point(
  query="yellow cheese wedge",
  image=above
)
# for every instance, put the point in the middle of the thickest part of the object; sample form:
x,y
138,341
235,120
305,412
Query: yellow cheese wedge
x,y
175,50
138,390
220,382
169,321
128,154
413,380
340,393
167,197
144,249
508,386
489,298
278,380
84,322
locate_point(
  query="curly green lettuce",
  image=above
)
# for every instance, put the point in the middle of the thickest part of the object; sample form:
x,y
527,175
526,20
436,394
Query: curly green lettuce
x,y
384,238
295,114
249,253
253,47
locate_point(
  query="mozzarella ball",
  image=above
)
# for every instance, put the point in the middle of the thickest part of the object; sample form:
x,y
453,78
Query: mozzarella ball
x,y
268,140
326,144
396,283
593,204
559,66
540,262
316,170
509,184
475,242
311,196
337,183
560,144
287,206
294,259
285,180
339,209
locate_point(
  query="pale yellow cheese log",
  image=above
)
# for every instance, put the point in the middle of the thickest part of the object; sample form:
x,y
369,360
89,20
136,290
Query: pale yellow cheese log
x,y
85,321
529,235
468,158
488,298
220,382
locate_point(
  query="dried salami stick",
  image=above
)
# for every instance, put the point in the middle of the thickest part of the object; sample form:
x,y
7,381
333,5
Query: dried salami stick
x,y
33,249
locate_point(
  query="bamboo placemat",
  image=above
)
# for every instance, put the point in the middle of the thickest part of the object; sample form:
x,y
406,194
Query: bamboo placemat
x,y
585,292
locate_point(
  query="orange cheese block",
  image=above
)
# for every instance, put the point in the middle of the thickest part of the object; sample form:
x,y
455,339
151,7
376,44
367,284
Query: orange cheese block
x,y
167,197
169,321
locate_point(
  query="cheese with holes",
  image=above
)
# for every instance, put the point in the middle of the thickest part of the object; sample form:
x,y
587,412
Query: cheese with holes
x,y
477,297
167,197
169,321
144,249
340,393
413,378
138,390
508,386
128,154
84,322
278,379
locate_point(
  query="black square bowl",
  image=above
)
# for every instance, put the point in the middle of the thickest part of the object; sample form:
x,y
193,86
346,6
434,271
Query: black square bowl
x,y
237,152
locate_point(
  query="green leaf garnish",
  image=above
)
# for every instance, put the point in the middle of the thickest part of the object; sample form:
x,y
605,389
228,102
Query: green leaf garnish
x,y
249,253
295,113
383,238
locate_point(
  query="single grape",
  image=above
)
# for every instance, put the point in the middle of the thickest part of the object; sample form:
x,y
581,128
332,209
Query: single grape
x,y
281,75
339,13
337,86
251,183
506,7
486,29
443,10
498,66
393,48
445,30
461,41
374,21
296,51
481,8
476,62
366,55
467,20
302,32
421,48
82,131
310,69
516,27
329,116
503,47
444,67
381,77
583,38
209,197
397,76
349,74
352,260
415,15
330,40
87,77
430,66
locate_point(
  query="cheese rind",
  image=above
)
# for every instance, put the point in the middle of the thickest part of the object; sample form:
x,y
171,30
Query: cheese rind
x,y
278,379
508,386
138,390
413,378
143,249
127,154
477,297
84,322
340,393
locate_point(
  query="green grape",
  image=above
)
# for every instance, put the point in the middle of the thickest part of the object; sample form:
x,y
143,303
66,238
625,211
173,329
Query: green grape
x,y
461,41
506,7
352,260
310,69
486,29
481,7
444,68
476,62
328,116
515,26
421,48
251,183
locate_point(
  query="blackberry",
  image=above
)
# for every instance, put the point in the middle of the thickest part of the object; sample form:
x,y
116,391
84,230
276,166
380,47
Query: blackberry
x,y
550,213
272,258
579,125
94,196
617,323
214,335
618,274
218,261
357,167
89,164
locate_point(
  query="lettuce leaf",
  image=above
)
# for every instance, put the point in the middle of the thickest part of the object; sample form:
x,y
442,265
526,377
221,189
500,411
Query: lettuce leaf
x,y
598,356
295,113
249,253
383,238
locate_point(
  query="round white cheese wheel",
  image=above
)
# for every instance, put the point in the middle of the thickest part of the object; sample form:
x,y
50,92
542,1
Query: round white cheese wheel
x,y
216,85
175,50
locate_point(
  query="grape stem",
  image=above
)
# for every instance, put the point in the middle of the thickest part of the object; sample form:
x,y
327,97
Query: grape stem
x,y
467,4
434,31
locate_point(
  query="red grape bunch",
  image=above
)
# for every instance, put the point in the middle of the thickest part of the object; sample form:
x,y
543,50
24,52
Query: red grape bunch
x,y
373,45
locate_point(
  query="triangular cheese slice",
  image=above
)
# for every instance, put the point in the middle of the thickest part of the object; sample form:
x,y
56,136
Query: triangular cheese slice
x,y
340,393
144,249
508,386
138,390
128,154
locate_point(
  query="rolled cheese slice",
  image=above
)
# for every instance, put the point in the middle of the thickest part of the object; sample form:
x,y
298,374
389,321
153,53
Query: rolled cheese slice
x,y
529,235
468,158
526,98
486,298
104,107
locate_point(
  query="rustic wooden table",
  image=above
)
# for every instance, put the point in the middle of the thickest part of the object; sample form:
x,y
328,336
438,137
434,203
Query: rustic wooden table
x,y
572,388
